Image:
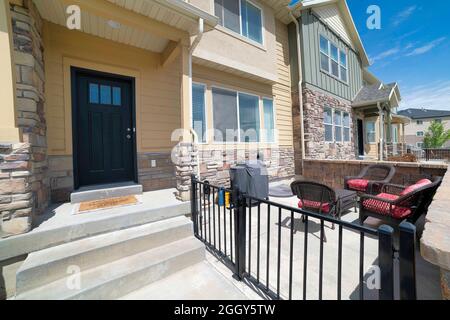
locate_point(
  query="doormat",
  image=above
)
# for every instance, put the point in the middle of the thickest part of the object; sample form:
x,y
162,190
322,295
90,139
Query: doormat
x,y
107,203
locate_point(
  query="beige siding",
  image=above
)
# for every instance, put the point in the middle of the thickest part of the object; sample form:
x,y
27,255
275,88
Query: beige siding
x,y
158,105
282,89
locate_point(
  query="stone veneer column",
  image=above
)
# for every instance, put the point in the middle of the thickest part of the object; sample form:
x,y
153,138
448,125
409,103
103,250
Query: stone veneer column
x,y
184,156
24,166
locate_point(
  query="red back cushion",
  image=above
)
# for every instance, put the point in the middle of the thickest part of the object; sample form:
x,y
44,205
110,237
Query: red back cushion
x,y
419,184
358,184
314,205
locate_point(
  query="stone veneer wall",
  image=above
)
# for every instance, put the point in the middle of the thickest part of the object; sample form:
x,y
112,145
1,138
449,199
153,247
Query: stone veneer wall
x,y
435,242
332,172
215,164
23,166
316,147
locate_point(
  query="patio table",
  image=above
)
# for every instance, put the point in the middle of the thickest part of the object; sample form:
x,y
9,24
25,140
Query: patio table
x,y
347,199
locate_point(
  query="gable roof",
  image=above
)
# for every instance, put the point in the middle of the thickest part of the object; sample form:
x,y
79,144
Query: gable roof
x,y
348,20
375,93
424,113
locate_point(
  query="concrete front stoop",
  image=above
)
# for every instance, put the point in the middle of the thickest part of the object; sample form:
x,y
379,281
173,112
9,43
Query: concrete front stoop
x,y
118,263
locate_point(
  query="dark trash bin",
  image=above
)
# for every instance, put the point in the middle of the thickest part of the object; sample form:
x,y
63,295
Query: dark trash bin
x,y
251,178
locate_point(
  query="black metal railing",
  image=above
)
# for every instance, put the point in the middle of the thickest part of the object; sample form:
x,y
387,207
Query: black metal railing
x,y
258,239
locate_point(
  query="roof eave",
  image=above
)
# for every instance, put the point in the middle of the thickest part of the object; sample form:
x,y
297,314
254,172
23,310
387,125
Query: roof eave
x,y
190,11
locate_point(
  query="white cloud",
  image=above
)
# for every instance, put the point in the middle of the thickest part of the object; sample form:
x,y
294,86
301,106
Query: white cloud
x,y
403,15
385,54
425,48
434,95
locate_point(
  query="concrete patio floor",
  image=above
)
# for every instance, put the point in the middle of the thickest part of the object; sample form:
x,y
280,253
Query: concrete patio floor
x,y
427,275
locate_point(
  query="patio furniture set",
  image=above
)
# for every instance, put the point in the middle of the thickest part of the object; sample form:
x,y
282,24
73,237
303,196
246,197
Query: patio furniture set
x,y
378,198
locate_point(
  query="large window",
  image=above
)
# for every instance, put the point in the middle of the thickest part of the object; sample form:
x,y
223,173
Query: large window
x,y
225,115
337,125
236,116
370,132
328,123
333,60
198,111
249,118
420,133
269,120
240,16
346,124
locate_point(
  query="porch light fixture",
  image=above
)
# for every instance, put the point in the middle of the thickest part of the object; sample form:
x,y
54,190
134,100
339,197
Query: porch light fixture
x,y
114,24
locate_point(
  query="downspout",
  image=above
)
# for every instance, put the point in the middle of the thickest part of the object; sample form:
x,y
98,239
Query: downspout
x,y
300,83
381,112
201,28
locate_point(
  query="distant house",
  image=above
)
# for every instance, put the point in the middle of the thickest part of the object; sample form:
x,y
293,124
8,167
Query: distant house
x,y
421,120
348,113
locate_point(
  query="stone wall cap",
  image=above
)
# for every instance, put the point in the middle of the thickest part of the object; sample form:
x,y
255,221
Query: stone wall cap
x,y
435,242
370,162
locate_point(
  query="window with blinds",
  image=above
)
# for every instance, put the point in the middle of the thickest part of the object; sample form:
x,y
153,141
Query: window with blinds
x,y
198,111
225,115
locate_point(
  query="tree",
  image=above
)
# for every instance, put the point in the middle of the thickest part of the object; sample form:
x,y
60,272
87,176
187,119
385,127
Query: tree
x,y
436,136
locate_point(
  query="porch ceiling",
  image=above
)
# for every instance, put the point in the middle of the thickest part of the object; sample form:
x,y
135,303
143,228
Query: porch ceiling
x,y
55,12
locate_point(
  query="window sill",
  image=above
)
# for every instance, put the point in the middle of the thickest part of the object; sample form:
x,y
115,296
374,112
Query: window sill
x,y
334,77
241,37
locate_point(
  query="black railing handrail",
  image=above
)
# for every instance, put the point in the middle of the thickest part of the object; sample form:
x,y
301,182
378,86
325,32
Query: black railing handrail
x,y
238,210
349,225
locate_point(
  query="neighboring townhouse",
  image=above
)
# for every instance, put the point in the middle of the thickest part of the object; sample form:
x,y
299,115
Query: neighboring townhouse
x,y
343,104
421,121
101,105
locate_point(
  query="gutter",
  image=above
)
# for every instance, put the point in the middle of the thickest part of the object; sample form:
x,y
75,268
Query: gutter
x,y
300,82
200,31
189,10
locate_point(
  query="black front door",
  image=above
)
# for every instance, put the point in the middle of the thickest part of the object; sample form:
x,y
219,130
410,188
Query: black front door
x,y
360,137
104,130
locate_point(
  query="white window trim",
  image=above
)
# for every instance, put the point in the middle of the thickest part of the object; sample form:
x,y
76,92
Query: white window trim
x,y
333,125
329,72
239,35
417,134
346,127
338,126
238,117
205,88
366,132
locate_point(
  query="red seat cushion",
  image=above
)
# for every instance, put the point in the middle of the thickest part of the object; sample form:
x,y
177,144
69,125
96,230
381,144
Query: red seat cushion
x,y
383,208
314,205
419,184
358,184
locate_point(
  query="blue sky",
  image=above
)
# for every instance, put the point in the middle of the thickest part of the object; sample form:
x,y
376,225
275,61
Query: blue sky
x,y
412,48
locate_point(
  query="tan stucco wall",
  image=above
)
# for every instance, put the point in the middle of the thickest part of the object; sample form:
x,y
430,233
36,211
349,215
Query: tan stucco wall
x,y
158,103
412,129
280,91
224,47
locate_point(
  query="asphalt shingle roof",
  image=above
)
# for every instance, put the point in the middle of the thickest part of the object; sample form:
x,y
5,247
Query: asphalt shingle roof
x,y
424,113
374,93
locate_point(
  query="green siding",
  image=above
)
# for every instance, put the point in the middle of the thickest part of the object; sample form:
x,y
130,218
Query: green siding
x,y
312,28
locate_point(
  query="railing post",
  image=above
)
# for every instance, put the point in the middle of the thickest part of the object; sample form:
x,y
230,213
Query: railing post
x,y
386,262
240,232
407,258
194,202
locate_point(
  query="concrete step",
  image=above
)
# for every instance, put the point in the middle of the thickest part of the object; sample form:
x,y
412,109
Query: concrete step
x,y
65,226
105,191
120,277
50,264
198,282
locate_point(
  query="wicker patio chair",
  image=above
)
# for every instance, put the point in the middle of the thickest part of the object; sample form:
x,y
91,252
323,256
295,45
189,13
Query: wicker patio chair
x,y
397,203
371,179
317,198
